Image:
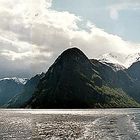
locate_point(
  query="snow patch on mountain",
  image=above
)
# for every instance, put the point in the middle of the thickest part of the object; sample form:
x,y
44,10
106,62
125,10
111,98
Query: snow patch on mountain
x,y
124,60
17,80
132,58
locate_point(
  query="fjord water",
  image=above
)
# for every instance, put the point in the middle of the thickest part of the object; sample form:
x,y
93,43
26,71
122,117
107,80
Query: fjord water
x,y
98,124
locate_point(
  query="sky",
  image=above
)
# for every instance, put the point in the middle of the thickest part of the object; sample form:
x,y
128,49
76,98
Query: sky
x,y
33,33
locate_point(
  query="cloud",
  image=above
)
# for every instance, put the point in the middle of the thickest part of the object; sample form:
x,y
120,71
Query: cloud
x,y
32,35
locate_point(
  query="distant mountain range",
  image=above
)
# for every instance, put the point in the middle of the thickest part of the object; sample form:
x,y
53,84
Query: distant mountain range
x,y
9,87
74,81
20,99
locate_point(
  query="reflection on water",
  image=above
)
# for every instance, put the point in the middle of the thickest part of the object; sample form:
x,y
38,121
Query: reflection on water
x,y
99,124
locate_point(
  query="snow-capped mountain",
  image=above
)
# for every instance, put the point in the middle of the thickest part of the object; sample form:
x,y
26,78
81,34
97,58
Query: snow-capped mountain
x,y
132,58
15,79
119,59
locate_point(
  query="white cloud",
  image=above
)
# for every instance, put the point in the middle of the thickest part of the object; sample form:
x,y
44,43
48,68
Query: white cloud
x,y
32,35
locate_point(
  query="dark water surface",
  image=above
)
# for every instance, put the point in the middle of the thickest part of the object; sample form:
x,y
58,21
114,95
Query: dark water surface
x,y
97,124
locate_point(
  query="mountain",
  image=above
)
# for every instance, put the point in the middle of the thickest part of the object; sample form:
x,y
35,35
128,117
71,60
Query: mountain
x,y
131,74
20,99
128,80
120,59
74,81
10,87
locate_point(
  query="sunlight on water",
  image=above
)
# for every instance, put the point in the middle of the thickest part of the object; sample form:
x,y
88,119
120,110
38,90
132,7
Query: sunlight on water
x,y
98,124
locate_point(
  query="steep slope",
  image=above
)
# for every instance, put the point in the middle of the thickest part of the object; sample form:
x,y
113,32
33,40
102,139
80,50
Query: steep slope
x,y
9,87
20,99
74,82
